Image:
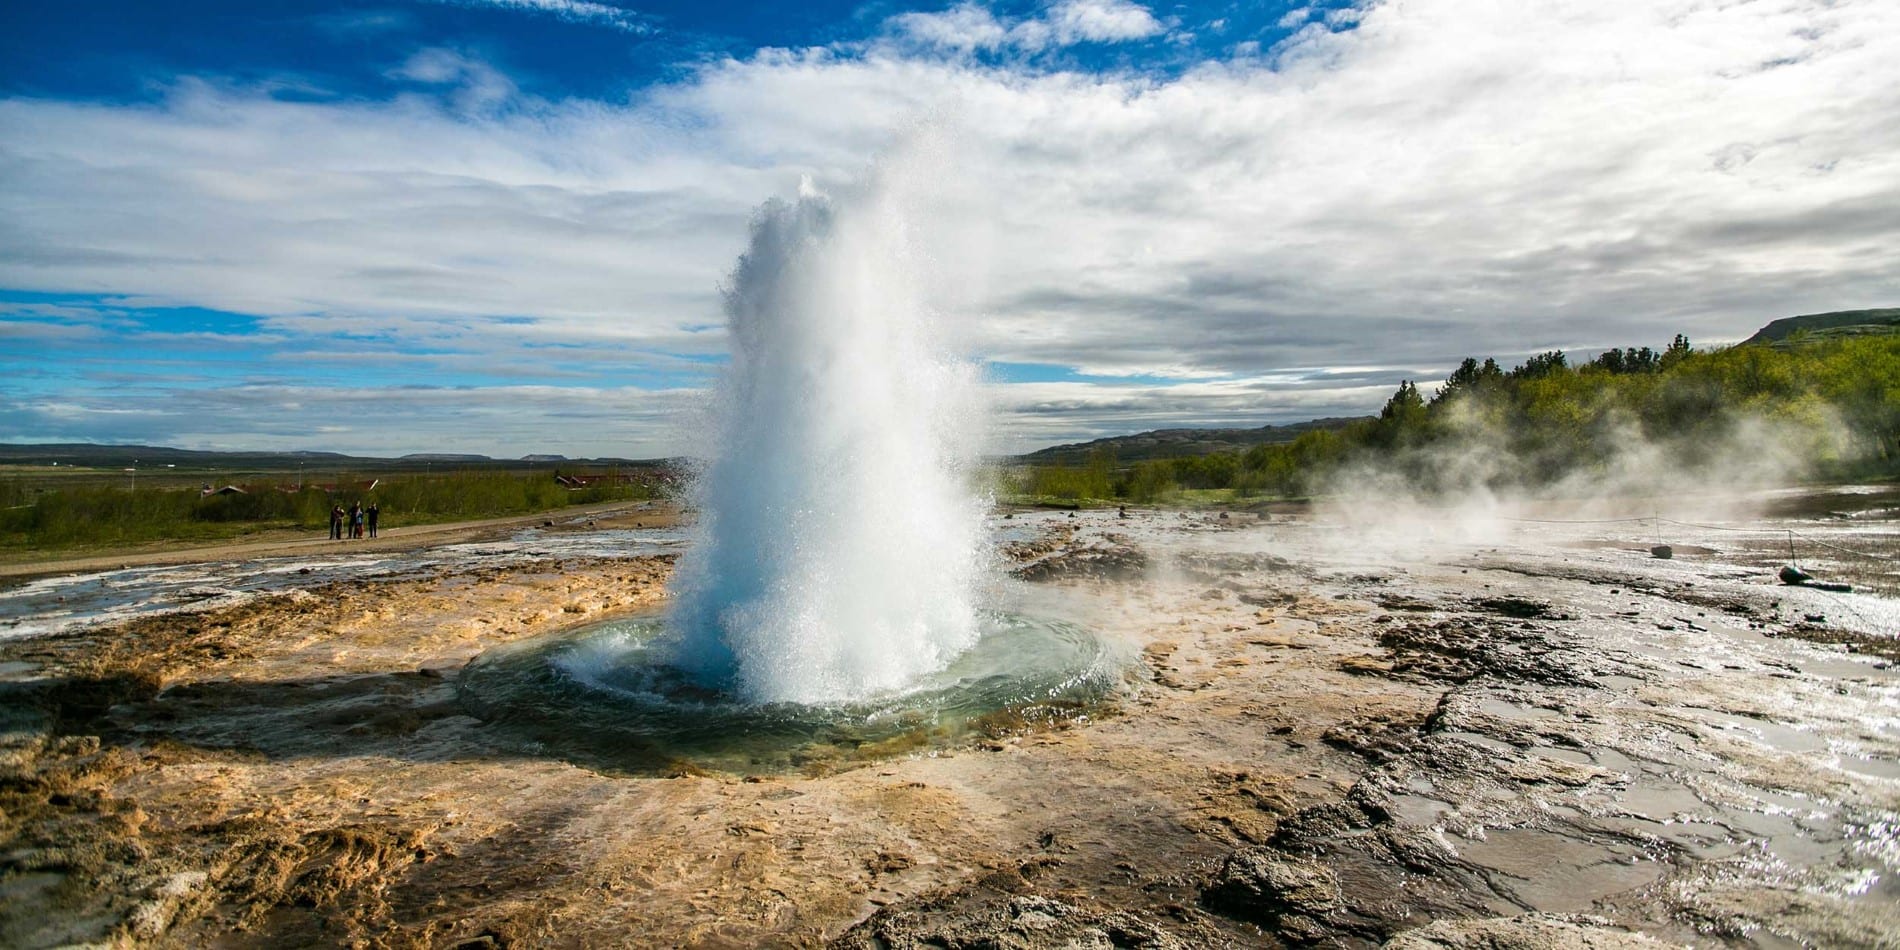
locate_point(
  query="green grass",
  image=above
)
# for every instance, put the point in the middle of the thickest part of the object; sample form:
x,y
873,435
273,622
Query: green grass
x,y
77,513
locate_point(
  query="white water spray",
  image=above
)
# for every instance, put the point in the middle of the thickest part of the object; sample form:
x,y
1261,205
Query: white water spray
x,y
839,535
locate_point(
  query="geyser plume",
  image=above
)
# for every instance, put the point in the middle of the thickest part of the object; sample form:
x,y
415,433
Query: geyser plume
x,y
839,532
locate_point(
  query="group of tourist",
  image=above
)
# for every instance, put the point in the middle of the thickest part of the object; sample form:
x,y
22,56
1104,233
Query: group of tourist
x,y
352,523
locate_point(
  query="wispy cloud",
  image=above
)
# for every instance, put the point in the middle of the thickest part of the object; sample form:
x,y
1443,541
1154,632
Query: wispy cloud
x,y
572,11
357,23
381,420
476,85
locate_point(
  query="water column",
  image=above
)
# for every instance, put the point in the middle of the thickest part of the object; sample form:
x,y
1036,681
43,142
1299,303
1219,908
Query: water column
x,y
839,537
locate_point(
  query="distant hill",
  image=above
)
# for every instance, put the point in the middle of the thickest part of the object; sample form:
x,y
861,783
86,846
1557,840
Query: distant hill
x,y
89,455
1178,443
1837,323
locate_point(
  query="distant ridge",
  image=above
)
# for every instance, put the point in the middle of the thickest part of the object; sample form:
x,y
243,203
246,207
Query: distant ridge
x,y
88,453
1836,323
91,455
1178,443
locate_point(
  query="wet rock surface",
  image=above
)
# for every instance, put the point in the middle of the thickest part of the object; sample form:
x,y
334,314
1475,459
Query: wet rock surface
x,y
1296,898
1525,744
992,915
1462,649
1524,932
1107,557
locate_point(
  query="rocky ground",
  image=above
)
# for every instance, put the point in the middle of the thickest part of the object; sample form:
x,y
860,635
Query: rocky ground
x,y
1542,740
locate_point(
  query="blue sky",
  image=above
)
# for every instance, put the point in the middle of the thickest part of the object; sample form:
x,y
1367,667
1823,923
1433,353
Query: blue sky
x,y
125,52
501,226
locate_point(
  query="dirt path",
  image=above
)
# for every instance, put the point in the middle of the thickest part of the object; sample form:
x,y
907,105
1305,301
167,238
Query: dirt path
x,y
406,538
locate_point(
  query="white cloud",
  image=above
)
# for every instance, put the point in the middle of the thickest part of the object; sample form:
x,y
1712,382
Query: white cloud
x,y
970,26
1087,21
964,28
1448,177
1343,16
1101,21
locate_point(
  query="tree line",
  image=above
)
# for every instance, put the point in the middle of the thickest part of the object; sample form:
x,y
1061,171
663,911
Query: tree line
x,y
1833,403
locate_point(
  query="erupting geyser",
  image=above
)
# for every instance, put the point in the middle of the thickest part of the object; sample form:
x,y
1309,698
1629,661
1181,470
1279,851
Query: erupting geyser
x,y
839,535
827,611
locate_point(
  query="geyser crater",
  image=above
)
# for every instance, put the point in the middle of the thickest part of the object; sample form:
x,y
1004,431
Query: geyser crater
x,y
828,606
606,695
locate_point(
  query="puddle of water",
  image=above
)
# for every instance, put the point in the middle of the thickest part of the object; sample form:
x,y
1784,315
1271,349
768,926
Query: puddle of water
x,y
1419,810
1577,756
1613,760
1560,874
1482,741
1514,711
1868,767
1662,799
1617,682
1007,532
1763,732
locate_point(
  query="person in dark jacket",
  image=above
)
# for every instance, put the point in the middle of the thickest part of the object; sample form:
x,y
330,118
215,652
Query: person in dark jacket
x,y
371,515
336,522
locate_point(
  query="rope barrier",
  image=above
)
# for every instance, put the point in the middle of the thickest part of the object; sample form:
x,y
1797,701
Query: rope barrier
x,y
1577,521
1712,527
1716,527
1791,534
1868,554
1660,521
